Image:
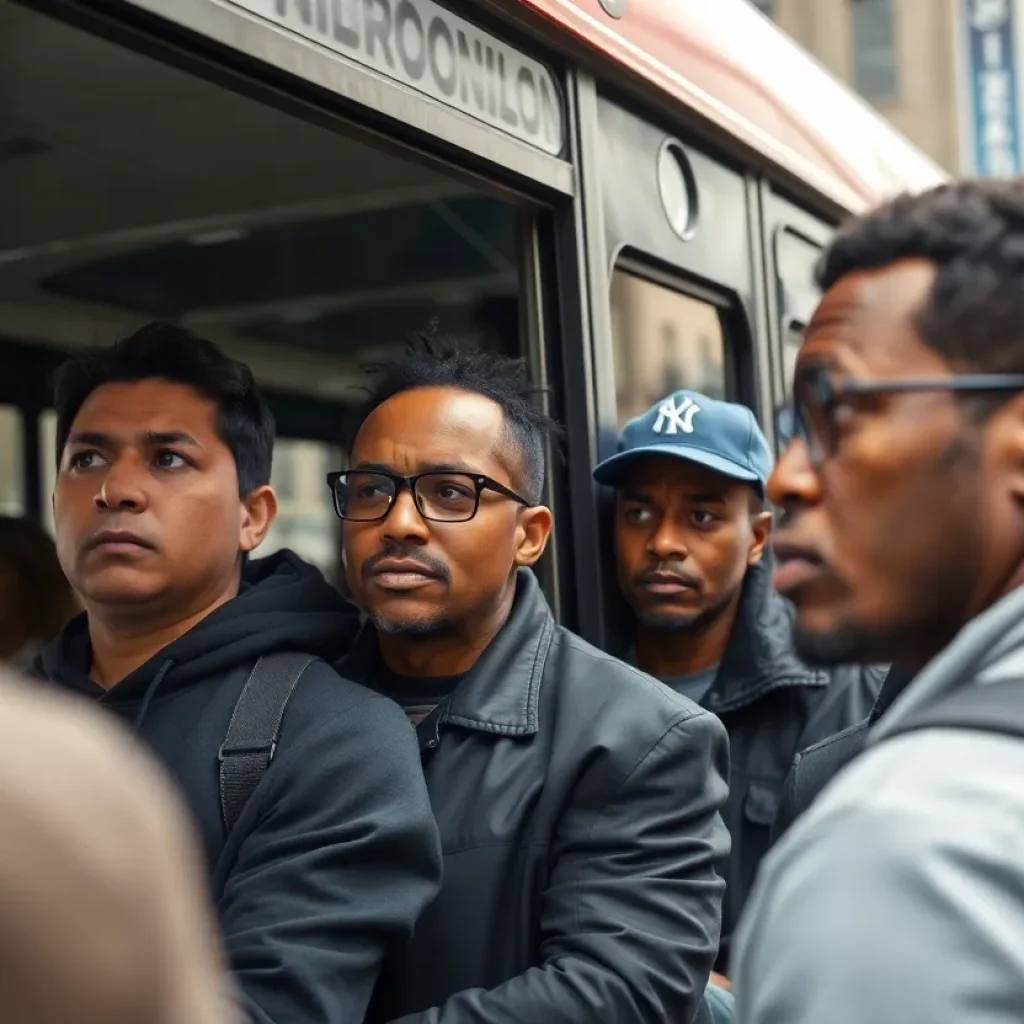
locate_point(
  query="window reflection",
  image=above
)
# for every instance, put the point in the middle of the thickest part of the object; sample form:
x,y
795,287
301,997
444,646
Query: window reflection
x,y
307,259
663,341
792,340
12,476
305,522
47,464
874,50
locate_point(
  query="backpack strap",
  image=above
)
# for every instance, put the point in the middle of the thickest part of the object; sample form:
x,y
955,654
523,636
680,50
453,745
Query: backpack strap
x,y
986,707
251,739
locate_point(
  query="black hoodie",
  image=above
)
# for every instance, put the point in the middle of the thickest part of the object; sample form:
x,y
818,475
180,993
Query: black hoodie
x,y
336,854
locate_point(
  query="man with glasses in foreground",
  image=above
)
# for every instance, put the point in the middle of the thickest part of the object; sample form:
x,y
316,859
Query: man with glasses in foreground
x,y
899,896
577,798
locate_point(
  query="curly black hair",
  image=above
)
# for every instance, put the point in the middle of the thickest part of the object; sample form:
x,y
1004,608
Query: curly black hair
x,y
973,233
439,362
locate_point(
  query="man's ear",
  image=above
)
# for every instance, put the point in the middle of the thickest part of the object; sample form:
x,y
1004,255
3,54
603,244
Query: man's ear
x,y
761,530
532,534
258,512
1005,443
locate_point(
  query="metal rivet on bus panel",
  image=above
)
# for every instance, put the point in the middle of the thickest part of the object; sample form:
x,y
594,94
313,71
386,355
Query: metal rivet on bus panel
x,y
677,188
613,8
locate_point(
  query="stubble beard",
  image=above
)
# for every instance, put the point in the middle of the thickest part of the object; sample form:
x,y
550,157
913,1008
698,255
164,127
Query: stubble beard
x,y
415,628
672,622
842,646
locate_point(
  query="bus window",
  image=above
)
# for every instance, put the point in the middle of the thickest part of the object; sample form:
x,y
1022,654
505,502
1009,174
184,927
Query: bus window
x,y
47,464
792,339
795,259
305,522
12,475
663,341
306,253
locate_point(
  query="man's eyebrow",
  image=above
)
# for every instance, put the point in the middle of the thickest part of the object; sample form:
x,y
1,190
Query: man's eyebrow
x,y
698,498
706,499
149,437
455,466
822,361
422,467
155,437
91,437
634,494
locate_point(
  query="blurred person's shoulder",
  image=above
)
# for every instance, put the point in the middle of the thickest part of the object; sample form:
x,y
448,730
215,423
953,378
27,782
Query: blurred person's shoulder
x,y
924,829
104,914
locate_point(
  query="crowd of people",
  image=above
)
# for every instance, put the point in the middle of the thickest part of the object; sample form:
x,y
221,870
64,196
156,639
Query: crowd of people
x,y
790,796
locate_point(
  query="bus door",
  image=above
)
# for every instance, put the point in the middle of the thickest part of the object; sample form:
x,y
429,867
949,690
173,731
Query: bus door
x,y
675,284
794,241
305,184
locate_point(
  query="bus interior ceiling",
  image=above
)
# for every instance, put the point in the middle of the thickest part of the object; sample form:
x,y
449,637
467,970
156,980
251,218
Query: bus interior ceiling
x,y
133,191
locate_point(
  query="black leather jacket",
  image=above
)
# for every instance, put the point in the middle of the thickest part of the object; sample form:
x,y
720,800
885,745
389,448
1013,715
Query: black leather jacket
x,y
773,705
578,805
814,768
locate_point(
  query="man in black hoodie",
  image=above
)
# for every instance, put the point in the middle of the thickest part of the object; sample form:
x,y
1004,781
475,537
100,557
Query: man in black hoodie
x,y
164,450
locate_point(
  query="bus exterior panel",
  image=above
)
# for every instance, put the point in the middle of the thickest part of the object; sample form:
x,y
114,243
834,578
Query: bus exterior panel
x,y
728,63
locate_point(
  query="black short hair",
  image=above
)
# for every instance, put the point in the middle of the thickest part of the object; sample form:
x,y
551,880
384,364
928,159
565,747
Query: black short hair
x,y
167,352
440,363
973,233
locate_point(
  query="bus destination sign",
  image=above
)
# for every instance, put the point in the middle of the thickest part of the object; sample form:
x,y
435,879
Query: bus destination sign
x,y
423,46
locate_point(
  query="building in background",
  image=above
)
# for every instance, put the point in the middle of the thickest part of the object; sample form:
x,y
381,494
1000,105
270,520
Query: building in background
x,y
944,72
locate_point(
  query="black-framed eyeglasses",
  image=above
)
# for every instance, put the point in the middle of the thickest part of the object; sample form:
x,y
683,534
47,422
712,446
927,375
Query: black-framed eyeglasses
x,y
817,392
365,496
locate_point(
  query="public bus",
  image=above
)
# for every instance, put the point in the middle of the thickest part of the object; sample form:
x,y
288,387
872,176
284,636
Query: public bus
x,y
630,194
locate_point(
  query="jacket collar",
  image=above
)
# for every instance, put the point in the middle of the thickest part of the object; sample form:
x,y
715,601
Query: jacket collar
x,y
760,656
500,693
896,681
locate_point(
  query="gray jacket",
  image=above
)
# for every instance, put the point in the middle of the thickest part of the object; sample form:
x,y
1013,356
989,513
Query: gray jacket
x,y
898,895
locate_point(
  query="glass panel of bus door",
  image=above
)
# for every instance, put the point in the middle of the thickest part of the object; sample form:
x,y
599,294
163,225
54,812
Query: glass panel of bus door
x,y
796,240
680,286
308,259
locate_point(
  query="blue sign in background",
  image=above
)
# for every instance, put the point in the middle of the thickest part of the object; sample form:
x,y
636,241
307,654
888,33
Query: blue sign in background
x,y
992,88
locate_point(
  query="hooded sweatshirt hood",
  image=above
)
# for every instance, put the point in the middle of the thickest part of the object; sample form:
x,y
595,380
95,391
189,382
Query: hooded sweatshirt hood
x,y
340,786
283,604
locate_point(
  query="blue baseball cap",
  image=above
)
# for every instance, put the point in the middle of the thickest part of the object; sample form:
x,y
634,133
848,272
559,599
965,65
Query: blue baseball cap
x,y
723,436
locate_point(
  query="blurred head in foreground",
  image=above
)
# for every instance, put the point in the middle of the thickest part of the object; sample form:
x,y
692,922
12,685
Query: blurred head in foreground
x,y
902,489
103,918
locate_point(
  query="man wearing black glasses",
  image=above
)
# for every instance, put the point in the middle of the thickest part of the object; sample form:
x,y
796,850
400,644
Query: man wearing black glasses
x,y
898,896
577,799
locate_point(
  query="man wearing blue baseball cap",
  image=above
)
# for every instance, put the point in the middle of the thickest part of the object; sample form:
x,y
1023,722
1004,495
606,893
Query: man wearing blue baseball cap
x,y
691,528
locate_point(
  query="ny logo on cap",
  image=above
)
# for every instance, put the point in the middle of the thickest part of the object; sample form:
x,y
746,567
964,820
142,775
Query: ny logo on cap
x,y
673,418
